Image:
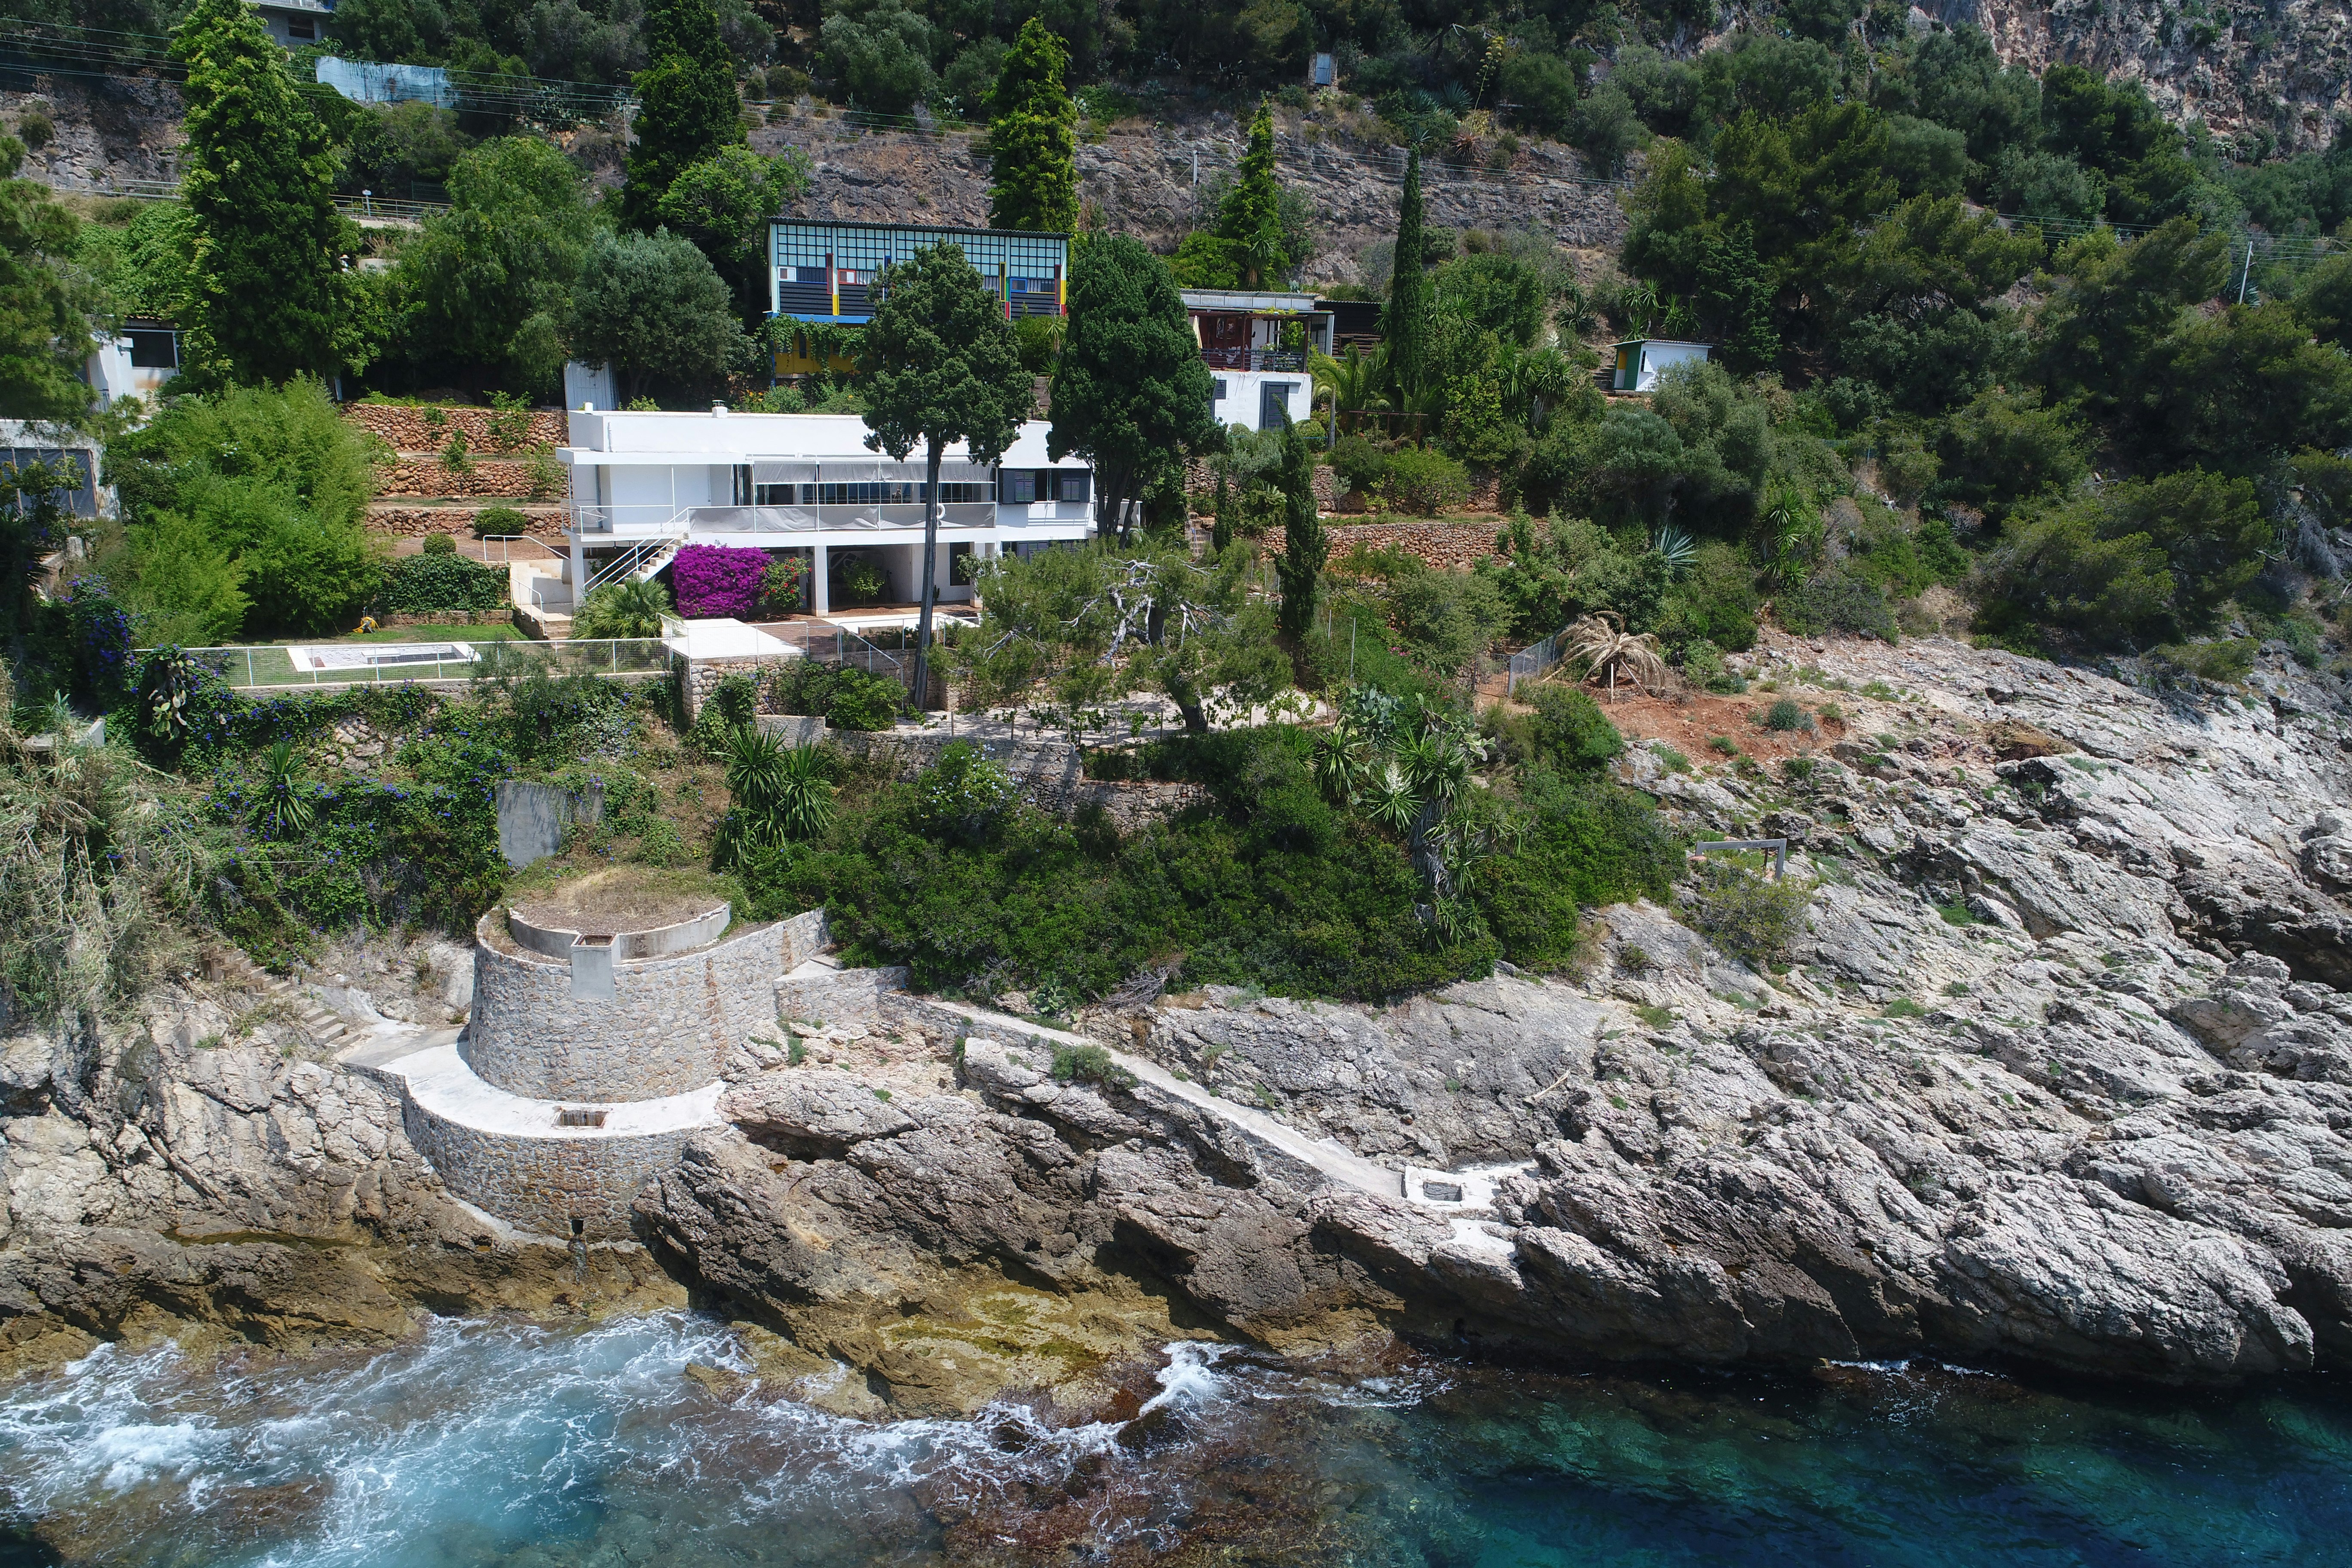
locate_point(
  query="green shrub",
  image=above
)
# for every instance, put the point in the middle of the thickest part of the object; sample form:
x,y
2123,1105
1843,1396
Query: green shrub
x,y
1785,714
1675,762
1570,730
848,697
1904,1008
439,544
500,522
442,580
1361,463
1089,1064
1723,744
1713,601
1754,918
1842,599
2226,662
1425,481
1586,842
631,610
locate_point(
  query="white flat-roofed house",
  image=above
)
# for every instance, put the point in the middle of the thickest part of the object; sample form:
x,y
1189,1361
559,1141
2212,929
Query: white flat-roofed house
x,y
643,484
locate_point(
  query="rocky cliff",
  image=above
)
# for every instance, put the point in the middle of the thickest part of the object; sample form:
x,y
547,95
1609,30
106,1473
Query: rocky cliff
x,y
2284,70
2060,1075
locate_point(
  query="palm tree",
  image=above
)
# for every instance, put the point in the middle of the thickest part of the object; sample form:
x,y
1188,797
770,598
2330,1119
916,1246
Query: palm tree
x,y
631,610
1351,384
1602,646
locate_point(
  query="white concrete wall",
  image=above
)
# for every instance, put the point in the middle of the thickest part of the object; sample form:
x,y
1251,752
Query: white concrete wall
x,y
1240,405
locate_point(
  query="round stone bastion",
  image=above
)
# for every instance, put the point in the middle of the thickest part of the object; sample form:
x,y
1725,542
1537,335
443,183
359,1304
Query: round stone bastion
x,y
566,1007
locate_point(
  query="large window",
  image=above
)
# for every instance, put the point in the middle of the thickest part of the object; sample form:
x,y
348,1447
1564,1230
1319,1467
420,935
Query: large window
x,y
1019,486
871,492
154,348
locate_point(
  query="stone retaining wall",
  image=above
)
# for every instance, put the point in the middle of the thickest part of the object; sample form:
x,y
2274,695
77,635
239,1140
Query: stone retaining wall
x,y
502,477
544,1183
419,521
406,430
1444,545
703,676
669,1025
1051,773
839,995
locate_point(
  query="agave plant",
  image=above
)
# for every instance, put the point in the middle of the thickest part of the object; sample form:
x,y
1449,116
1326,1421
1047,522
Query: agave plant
x,y
284,810
781,793
1601,646
1674,548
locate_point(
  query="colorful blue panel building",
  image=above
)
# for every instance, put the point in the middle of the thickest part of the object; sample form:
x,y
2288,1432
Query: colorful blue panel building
x,y
826,271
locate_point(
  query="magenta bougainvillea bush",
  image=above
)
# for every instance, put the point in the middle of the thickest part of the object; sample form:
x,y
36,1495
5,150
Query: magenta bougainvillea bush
x,y
713,580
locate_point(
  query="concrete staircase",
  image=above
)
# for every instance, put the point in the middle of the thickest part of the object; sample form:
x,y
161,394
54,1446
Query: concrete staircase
x,y
314,1019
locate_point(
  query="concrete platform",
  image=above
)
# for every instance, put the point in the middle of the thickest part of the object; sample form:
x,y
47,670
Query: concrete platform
x,y
517,1158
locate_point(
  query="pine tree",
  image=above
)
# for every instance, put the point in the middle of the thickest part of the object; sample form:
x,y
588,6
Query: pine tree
x,y
946,369
47,305
1304,548
687,106
1032,138
1404,325
1249,220
269,297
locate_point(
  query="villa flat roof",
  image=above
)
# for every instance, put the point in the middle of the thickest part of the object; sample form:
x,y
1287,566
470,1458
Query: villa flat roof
x,y
771,438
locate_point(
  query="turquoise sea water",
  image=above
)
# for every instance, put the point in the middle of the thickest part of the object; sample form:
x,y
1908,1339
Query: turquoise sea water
x,y
489,1442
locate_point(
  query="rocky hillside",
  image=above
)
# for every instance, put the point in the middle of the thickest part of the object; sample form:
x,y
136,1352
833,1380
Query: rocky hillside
x,y
2284,69
1139,176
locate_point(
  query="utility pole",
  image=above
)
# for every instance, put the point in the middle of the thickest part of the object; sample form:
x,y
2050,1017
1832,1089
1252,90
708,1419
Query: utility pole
x,y
2247,272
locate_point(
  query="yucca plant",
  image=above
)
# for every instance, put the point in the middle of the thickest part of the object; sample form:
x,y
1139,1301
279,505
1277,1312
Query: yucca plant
x,y
1391,800
1342,763
782,793
283,811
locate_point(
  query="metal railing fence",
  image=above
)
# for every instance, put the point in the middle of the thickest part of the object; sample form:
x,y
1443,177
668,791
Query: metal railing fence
x,y
271,666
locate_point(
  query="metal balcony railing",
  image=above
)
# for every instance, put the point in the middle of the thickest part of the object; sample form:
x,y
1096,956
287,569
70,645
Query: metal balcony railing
x,y
1254,359
625,521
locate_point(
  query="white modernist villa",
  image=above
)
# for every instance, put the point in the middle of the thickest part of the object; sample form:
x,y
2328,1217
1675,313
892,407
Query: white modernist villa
x,y
643,484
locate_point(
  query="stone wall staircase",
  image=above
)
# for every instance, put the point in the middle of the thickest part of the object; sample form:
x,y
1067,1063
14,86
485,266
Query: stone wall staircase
x,y
317,1023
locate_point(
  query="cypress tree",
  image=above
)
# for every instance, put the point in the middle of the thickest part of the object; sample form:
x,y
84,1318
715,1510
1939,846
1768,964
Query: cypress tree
x,y
1304,549
1033,137
1404,325
1221,522
1249,220
687,106
268,295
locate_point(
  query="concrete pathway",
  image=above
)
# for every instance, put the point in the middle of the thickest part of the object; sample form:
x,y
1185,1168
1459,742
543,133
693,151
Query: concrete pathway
x,y
1341,1165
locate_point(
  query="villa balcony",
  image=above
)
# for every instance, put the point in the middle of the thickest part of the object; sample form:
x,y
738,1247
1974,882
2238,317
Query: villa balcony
x,y
1254,359
654,521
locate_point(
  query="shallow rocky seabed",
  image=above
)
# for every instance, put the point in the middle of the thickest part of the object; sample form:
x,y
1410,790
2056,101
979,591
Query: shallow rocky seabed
x,y
653,1439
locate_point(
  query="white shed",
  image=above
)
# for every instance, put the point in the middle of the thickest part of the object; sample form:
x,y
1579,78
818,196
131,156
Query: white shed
x,y
1639,361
